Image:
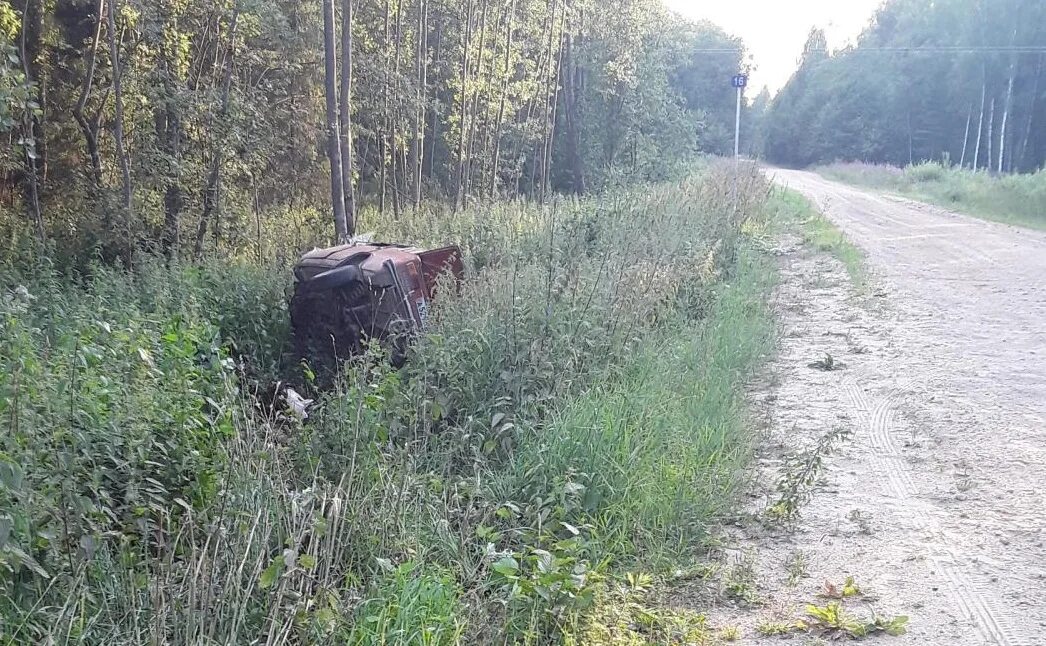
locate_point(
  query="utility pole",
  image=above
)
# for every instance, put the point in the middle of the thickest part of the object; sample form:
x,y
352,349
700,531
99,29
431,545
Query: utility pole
x,y
739,81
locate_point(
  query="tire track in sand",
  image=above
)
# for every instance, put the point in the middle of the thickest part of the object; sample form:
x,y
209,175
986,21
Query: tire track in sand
x,y
990,614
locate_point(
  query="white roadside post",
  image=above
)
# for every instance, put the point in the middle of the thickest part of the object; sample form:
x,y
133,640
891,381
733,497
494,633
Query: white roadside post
x,y
739,81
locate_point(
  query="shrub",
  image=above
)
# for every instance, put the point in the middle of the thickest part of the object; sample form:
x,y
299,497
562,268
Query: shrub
x,y
575,407
1015,199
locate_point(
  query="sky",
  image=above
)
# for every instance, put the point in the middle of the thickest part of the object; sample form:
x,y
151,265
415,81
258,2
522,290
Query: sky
x,y
774,30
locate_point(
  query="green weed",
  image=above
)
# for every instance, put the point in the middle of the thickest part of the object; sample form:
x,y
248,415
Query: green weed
x,y
1012,199
797,567
740,581
575,411
833,620
799,475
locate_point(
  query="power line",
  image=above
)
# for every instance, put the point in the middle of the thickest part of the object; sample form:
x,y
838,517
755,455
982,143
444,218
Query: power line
x,y
920,49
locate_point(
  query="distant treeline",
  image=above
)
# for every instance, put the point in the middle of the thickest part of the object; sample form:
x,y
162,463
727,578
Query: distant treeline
x,y
193,125
958,81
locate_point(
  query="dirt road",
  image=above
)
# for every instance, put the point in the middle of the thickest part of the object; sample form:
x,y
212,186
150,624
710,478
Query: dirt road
x,y
937,504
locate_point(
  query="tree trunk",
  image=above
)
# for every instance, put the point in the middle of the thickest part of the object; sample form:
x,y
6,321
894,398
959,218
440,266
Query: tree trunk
x,y
550,99
474,125
571,88
991,126
463,108
333,143
383,143
121,151
212,192
908,116
1006,112
539,84
32,44
495,157
434,128
29,44
345,121
1031,114
417,148
966,138
90,133
394,117
169,132
980,127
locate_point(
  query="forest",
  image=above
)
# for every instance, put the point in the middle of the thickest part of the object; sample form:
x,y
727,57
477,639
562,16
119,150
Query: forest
x,y
167,162
561,439
958,82
199,127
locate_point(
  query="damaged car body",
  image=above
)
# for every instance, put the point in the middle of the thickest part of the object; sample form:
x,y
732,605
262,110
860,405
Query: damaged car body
x,y
349,294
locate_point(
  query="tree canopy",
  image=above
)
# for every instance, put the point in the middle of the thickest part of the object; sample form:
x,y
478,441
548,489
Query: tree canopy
x,y
957,81
189,126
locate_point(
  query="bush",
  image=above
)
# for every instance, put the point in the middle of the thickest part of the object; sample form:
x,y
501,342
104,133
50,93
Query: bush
x,y
1013,199
577,406
925,172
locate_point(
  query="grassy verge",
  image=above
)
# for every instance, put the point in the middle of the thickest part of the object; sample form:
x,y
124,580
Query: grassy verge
x,y
1011,199
575,413
819,232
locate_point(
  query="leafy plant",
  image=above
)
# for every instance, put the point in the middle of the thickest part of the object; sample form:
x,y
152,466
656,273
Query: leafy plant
x,y
831,619
849,588
536,443
797,567
739,581
624,615
778,628
799,475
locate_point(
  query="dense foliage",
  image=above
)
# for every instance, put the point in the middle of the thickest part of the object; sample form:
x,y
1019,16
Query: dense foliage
x,y
193,126
956,81
577,409
1013,198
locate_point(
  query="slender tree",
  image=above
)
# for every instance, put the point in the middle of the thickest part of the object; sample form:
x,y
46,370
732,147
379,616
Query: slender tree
x,y
965,138
980,122
330,68
212,191
89,128
417,147
345,121
1006,110
118,118
29,44
463,103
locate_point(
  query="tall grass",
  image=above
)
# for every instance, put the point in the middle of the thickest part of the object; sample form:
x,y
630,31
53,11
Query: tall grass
x,y
1012,199
819,232
575,410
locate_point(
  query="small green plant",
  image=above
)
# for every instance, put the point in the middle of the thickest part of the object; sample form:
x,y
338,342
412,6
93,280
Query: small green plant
x,y
848,589
729,634
797,568
827,363
626,615
819,233
739,581
778,628
832,620
861,519
799,476
410,606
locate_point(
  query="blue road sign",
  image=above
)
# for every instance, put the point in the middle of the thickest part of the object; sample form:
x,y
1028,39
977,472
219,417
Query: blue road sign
x,y
739,80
